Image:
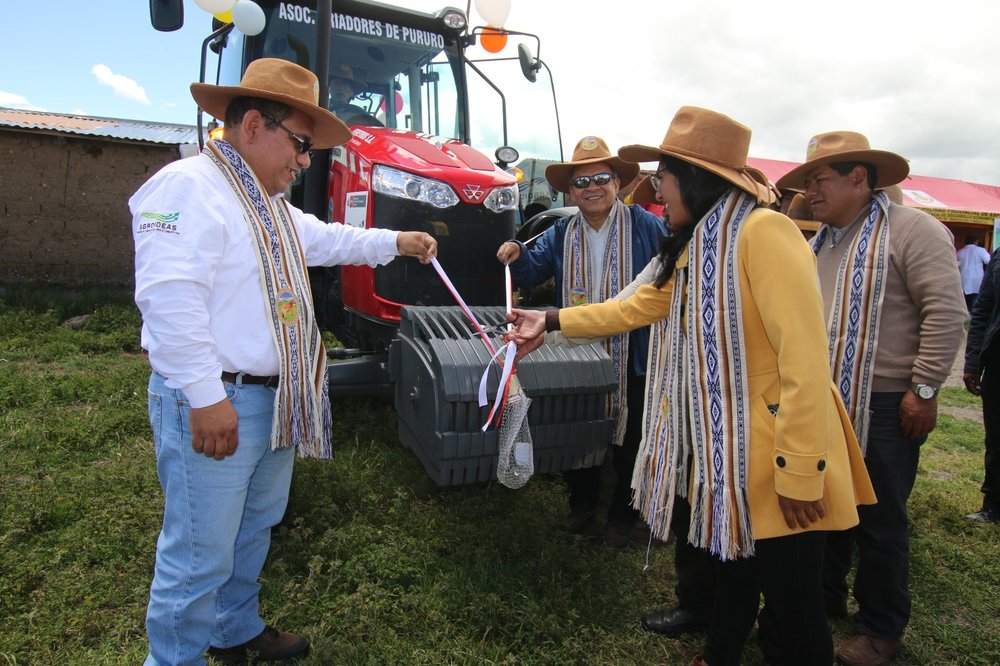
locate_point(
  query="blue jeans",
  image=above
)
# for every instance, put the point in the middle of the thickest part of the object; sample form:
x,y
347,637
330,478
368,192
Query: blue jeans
x,y
217,520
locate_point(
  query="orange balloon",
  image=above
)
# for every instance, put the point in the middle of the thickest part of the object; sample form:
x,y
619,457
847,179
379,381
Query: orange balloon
x,y
492,40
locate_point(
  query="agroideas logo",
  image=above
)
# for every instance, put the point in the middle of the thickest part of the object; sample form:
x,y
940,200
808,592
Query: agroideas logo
x,y
162,222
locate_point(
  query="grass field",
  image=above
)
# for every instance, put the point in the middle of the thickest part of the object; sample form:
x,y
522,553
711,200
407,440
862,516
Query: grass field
x,y
373,562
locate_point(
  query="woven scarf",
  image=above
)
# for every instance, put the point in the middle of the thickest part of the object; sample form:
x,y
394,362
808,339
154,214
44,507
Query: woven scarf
x,y
302,414
856,310
697,402
580,287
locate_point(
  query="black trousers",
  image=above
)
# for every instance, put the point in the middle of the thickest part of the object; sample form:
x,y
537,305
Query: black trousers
x,y
585,484
788,570
991,422
695,568
882,583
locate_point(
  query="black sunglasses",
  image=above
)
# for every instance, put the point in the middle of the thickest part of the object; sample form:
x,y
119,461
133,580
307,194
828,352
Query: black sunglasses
x,y
304,145
583,182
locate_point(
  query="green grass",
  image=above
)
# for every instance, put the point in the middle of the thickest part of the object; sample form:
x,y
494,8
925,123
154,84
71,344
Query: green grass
x,y
374,562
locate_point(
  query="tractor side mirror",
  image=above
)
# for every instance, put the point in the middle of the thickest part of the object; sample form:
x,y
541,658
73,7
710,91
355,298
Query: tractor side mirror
x,y
529,64
166,15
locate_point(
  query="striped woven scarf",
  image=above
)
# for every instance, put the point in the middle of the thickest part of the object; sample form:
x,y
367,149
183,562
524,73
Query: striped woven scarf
x,y
580,287
302,415
856,310
697,403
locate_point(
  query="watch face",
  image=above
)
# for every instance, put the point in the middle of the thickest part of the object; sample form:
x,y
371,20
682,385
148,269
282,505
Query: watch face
x,y
925,392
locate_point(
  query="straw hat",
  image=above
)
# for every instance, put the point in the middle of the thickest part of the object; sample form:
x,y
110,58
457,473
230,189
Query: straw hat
x,y
344,71
280,81
589,150
711,141
833,147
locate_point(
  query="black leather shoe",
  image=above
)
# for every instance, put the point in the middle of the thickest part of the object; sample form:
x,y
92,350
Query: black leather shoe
x,y
617,537
578,521
836,607
269,646
673,621
985,516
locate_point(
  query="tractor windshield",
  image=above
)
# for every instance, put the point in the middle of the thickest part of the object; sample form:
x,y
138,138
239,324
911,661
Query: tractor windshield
x,y
381,73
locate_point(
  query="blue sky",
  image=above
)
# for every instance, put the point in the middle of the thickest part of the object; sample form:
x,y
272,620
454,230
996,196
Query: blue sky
x,y
99,58
918,77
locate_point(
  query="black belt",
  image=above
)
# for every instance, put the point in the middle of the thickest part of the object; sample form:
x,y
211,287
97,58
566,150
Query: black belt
x,y
230,378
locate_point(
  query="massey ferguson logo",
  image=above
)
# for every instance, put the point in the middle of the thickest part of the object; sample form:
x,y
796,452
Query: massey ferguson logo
x,y
474,192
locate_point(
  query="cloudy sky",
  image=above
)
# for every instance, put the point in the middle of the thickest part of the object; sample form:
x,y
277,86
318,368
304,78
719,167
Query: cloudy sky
x,y
918,78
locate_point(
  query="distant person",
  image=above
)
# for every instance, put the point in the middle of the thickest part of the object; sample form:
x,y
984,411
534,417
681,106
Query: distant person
x,y
982,378
344,87
890,289
238,380
972,260
593,255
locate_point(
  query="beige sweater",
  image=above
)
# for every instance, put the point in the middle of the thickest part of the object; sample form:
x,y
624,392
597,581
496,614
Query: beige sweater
x,y
923,313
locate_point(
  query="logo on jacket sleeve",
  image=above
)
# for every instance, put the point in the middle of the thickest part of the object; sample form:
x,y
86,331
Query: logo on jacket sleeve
x,y
162,222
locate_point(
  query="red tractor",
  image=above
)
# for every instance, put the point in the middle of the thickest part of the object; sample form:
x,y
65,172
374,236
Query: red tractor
x,y
411,166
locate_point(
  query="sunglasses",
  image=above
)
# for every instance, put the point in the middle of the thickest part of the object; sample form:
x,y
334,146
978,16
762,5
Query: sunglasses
x,y
304,145
583,182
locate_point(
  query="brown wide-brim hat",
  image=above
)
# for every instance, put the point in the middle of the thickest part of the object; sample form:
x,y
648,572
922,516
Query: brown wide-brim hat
x,y
281,81
833,147
645,193
711,141
799,208
589,150
346,72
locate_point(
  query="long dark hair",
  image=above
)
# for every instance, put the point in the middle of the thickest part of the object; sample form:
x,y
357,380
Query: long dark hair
x,y
700,190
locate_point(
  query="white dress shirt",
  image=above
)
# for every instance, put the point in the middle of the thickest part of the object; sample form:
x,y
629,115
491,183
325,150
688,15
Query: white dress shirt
x,y
597,239
197,279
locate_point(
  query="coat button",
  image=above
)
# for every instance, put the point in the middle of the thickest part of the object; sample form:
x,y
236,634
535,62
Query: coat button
x,y
821,465
779,461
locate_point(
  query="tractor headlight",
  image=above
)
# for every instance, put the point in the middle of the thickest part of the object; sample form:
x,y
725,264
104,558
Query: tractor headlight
x,y
502,198
454,19
396,183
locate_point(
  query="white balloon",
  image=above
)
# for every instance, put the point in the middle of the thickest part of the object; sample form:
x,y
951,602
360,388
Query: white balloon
x,y
248,17
215,6
494,12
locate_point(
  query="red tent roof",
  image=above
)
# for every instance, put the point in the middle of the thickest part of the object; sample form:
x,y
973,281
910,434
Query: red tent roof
x,y
946,199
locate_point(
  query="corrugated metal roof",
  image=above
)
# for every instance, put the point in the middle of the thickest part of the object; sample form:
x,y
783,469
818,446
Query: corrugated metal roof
x,y
115,128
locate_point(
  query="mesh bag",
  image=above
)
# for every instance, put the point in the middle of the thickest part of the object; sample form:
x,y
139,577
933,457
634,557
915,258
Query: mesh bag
x,y
516,459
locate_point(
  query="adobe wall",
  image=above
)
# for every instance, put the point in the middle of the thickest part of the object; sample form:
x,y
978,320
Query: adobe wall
x,y
64,218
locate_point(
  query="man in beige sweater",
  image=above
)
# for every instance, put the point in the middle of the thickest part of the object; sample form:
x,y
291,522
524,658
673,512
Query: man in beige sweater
x,y
895,314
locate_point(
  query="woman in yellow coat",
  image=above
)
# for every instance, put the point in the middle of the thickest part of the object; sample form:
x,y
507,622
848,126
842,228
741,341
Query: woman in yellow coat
x,y
741,416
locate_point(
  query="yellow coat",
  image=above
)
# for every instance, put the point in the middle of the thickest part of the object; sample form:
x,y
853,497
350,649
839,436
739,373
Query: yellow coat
x,y
808,450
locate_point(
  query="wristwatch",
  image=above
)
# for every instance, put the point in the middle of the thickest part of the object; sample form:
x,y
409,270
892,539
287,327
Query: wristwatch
x,y
924,391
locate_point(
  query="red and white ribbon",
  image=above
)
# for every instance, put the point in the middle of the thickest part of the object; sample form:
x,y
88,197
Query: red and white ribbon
x,y
509,349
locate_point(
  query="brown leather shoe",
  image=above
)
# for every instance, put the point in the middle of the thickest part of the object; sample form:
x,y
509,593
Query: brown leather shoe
x,y
865,650
269,646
